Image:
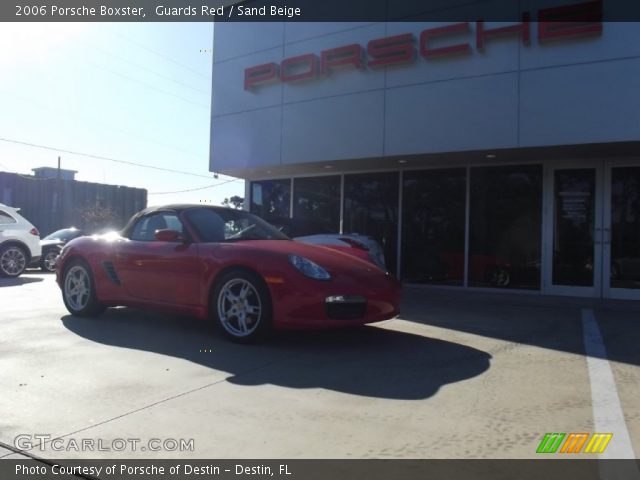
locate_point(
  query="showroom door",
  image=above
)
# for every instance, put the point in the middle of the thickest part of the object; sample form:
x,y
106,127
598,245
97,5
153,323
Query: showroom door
x,y
574,229
621,232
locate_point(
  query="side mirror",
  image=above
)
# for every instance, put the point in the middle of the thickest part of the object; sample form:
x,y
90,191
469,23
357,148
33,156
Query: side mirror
x,y
168,236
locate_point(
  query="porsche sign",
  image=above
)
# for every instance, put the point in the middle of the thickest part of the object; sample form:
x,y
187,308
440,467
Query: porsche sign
x,y
569,21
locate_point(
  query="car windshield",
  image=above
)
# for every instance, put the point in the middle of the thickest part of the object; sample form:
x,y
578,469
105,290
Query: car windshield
x,y
65,234
214,225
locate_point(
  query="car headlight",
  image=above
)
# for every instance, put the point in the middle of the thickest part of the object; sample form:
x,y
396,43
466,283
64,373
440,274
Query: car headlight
x,y
309,268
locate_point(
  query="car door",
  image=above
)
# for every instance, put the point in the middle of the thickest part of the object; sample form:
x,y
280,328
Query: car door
x,y
157,271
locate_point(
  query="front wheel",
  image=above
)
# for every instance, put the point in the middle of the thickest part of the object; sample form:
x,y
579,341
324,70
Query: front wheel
x,y
78,290
241,306
48,261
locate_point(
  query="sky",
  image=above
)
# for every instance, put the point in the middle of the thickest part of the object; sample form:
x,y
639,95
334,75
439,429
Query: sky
x,y
129,92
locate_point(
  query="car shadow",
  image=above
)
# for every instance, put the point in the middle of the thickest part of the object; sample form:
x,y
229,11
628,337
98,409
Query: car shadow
x,y
368,361
21,280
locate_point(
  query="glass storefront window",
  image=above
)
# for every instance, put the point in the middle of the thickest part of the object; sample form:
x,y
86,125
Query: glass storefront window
x,y
505,226
433,224
625,227
371,208
573,222
271,199
316,204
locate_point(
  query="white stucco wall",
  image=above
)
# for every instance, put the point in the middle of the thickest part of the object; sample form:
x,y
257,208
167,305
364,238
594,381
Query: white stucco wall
x,y
511,95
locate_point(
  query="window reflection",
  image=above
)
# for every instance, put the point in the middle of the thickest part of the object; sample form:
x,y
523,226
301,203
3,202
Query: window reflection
x,y
316,203
625,227
574,210
371,208
433,223
505,226
270,199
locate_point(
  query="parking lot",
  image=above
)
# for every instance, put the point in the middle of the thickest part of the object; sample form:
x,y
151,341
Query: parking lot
x,y
458,375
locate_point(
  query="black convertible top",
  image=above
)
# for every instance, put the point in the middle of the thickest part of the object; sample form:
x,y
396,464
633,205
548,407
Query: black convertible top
x,y
174,207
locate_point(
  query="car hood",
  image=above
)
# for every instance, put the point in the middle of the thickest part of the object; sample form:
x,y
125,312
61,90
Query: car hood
x,y
53,241
328,258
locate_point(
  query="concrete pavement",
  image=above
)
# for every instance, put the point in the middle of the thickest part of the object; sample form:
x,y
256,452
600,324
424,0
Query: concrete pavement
x,y
459,375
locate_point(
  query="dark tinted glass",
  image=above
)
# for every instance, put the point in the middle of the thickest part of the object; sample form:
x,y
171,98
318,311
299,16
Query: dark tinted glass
x,y
316,204
65,234
574,216
505,226
625,227
271,199
433,219
371,208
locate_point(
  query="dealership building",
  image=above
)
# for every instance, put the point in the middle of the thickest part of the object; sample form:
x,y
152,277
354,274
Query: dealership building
x,y
481,155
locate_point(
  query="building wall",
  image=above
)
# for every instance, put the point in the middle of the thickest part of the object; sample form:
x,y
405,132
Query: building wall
x,y
51,205
572,91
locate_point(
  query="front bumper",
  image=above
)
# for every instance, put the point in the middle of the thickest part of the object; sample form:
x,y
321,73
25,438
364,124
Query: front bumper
x,y
345,307
339,303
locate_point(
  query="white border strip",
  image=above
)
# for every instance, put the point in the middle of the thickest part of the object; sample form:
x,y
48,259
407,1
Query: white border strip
x,y
607,412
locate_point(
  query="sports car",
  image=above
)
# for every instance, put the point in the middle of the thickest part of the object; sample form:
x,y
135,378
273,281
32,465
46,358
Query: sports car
x,y
225,265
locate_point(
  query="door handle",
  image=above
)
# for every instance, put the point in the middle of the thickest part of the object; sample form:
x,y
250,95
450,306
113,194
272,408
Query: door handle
x,y
597,236
607,236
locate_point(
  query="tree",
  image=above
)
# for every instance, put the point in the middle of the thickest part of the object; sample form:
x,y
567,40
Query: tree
x,y
234,202
99,218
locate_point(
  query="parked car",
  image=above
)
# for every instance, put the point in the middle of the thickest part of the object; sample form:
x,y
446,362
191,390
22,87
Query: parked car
x,y
362,246
19,242
226,265
52,245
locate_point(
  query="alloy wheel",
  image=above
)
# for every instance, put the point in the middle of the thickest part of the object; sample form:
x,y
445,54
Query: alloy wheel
x,y
49,261
77,287
239,307
13,261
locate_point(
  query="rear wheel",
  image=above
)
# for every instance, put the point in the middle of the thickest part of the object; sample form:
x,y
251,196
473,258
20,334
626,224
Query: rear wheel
x,y
13,261
78,290
241,306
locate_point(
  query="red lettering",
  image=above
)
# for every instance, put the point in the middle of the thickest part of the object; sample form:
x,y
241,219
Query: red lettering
x,y
570,21
391,50
349,55
432,33
581,19
302,67
260,74
523,29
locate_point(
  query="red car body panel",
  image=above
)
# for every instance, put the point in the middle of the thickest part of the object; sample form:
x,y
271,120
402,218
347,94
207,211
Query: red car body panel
x,y
179,277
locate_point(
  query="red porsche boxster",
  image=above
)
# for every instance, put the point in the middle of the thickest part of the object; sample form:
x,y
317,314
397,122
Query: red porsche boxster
x,y
226,265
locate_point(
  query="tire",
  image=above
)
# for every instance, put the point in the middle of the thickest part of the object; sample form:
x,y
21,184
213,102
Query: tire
x,y
241,306
498,276
503,278
78,290
13,261
47,262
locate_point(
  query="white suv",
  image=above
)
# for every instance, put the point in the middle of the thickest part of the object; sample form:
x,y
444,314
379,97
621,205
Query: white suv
x,y
19,242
